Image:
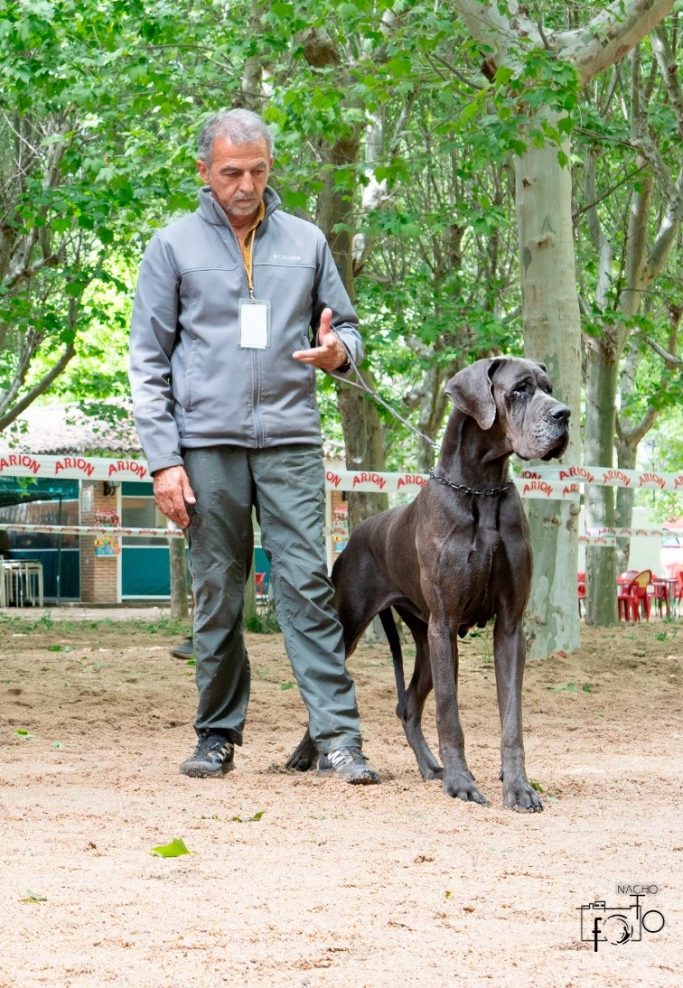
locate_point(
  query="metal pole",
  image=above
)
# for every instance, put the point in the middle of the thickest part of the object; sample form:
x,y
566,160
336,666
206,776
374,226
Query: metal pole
x,y
59,552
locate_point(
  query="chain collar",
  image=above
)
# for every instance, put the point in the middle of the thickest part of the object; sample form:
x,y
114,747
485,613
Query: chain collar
x,y
487,492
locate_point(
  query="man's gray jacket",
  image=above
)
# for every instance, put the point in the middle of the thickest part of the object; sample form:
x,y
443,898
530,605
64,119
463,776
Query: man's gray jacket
x,y
192,383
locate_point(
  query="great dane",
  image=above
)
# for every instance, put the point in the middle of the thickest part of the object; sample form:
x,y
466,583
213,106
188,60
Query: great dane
x,y
455,557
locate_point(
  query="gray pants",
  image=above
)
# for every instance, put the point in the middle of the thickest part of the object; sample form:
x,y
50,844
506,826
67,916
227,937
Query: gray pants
x,y
286,486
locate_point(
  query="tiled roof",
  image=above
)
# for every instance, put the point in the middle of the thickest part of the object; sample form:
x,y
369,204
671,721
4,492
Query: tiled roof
x,y
108,428
56,429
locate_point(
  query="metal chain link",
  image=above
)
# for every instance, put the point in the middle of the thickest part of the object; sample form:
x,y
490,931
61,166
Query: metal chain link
x,y
487,492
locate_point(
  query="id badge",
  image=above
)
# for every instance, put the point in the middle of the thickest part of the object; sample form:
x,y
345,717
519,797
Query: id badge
x,y
254,324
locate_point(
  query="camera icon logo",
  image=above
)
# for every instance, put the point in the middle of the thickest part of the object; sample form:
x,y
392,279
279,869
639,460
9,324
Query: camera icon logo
x,y
617,925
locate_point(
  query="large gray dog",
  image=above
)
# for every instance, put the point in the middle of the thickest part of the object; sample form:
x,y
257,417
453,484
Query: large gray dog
x,y
455,557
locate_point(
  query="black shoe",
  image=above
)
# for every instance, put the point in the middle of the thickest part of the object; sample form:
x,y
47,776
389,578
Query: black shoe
x,y
349,764
185,650
214,755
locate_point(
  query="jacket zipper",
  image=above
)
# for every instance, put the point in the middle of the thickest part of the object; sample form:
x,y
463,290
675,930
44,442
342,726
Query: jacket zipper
x,y
259,429
256,368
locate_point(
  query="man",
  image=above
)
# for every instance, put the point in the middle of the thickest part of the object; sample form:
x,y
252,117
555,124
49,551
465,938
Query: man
x,y
222,372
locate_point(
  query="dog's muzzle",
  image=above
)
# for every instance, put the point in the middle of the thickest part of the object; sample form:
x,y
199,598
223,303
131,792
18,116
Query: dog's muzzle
x,y
558,431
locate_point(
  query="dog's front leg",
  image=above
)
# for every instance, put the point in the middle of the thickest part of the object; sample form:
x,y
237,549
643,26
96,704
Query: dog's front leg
x,y
509,656
457,779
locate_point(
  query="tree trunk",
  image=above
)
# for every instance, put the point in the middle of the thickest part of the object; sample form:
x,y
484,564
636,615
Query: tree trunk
x,y
363,439
623,516
360,420
552,333
364,449
601,567
178,563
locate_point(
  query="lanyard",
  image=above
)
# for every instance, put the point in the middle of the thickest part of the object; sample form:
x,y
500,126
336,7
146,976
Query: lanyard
x,y
249,265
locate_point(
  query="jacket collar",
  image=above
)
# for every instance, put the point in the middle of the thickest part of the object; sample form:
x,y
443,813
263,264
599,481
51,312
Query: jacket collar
x,y
210,211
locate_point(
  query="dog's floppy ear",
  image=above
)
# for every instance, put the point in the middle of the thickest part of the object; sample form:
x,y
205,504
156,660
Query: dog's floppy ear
x,y
472,392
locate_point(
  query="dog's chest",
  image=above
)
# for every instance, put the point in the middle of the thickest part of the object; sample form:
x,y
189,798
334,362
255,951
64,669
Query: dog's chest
x,y
464,556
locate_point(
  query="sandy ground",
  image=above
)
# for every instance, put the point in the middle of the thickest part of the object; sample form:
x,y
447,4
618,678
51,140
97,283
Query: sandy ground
x,y
295,880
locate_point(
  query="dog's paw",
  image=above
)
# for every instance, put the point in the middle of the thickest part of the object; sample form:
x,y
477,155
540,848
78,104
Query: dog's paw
x,y
522,797
304,757
463,787
298,764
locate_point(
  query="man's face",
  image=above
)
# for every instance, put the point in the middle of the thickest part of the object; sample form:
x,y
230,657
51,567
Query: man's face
x,y
237,177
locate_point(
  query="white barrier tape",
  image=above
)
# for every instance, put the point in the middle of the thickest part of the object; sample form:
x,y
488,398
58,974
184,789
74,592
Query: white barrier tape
x,y
606,537
549,481
541,487
72,467
136,533
392,483
650,533
606,477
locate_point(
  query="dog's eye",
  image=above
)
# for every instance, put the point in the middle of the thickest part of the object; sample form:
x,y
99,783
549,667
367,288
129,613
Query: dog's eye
x,y
523,389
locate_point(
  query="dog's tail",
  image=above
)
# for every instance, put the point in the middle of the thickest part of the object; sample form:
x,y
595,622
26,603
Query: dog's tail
x,y
391,631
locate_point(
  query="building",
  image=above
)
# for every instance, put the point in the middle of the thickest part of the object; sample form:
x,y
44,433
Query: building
x,y
102,568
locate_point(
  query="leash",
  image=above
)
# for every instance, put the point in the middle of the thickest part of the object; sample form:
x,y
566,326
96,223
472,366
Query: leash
x,y
487,492
362,385
366,389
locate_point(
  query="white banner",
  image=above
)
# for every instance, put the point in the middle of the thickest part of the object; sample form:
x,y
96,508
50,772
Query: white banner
x,y
72,467
136,533
546,481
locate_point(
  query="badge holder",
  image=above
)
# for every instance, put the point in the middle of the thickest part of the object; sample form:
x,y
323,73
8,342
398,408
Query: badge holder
x,y
254,324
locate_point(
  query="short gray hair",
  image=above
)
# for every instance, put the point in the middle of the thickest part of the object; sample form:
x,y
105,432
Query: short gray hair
x,y
237,126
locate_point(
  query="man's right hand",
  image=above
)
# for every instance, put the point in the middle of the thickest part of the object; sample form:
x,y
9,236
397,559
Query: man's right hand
x,y
173,493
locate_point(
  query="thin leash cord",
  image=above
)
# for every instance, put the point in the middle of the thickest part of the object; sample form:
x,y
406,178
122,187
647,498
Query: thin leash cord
x,y
365,387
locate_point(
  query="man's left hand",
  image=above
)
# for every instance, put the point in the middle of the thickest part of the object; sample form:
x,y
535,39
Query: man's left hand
x,y
330,352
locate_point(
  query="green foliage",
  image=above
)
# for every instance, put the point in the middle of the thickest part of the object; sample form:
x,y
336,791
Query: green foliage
x,y
264,622
99,108
662,451
96,141
625,169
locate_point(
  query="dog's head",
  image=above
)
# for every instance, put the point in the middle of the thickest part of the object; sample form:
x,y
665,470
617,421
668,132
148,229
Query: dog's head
x,y
518,394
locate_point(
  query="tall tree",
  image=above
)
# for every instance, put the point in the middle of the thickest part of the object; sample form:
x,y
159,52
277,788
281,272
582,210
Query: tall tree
x,y
537,60
633,227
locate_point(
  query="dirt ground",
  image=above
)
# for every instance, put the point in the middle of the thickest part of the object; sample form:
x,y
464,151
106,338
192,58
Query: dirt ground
x,y
295,880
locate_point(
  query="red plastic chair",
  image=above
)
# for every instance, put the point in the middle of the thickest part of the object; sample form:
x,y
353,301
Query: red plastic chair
x,y
678,592
581,590
261,584
641,585
624,602
661,598
633,595
627,577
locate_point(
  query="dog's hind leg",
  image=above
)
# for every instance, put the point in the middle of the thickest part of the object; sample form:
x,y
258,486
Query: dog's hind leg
x,y
304,756
354,623
410,707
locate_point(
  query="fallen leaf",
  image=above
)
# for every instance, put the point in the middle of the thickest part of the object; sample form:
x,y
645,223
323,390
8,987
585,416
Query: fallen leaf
x,y
34,897
250,819
173,849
